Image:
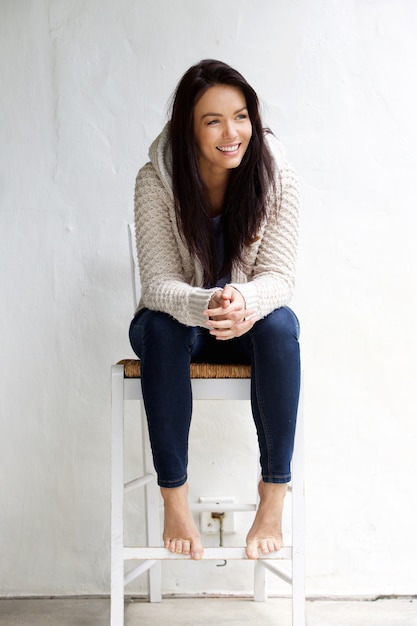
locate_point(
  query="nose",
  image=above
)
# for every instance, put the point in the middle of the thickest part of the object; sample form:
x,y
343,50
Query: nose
x,y
229,131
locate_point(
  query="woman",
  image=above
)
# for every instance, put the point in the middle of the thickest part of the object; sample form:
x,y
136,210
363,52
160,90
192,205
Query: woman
x,y
216,212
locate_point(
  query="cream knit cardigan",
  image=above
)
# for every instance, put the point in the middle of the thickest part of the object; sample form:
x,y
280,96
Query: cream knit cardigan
x,y
172,279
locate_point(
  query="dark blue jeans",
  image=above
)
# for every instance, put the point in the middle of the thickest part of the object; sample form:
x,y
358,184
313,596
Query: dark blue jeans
x,y
166,348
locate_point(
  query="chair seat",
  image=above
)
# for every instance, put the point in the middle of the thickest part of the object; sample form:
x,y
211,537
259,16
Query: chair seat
x,y
197,370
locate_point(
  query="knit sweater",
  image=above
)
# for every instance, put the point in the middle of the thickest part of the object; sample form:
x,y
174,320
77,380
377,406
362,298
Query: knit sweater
x,y
172,279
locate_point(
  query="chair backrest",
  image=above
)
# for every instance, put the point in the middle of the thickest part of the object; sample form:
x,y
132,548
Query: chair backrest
x,y
134,267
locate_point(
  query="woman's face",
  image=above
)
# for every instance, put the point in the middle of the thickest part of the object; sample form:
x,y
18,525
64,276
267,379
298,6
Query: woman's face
x,y
222,129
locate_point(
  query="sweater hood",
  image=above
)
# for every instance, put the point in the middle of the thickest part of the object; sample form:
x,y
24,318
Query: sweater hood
x,y
160,155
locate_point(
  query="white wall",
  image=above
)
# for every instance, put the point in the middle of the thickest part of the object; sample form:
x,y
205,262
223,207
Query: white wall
x,y
84,91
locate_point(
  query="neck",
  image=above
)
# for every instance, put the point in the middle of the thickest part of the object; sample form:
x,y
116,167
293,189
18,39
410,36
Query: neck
x,y
213,178
216,195
216,184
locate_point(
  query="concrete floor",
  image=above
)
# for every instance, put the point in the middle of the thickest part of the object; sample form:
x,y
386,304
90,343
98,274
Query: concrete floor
x,y
207,612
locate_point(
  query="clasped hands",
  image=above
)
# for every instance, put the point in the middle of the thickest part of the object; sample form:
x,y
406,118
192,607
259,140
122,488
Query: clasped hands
x,y
227,316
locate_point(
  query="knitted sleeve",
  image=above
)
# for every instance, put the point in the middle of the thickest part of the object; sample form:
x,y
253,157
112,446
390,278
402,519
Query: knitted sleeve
x,y
166,272
271,283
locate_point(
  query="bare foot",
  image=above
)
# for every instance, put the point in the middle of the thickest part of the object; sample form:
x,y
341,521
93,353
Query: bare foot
x,y
266,531
180,532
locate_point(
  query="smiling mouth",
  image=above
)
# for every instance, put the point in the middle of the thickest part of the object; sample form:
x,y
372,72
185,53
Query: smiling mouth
x,y
227,149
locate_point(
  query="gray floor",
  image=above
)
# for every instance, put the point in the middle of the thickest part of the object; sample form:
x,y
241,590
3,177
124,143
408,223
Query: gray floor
x,y
207,612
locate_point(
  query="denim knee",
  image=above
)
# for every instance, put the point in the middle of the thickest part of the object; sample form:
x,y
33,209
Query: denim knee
x,y
275,339
281,323
161,332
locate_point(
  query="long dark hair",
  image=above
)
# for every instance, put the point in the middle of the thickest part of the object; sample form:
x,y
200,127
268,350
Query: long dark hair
x,y
245,202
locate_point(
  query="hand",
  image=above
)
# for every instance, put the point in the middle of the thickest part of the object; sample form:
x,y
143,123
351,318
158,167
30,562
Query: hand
x,y
228,316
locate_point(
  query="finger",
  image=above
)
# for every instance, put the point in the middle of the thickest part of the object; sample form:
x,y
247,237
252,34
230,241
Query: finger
x,y
228,292
237,330
213,312
224,322
240,316
223,335
220,324
233,312
215,300
220,310
243,327
232,321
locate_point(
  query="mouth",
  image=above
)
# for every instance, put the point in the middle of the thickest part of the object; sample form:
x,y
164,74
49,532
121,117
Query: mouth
x,y
231,149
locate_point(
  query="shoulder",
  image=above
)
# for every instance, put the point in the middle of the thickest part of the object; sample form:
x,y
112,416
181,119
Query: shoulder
x,y
147,174
286,174
148,182
277,151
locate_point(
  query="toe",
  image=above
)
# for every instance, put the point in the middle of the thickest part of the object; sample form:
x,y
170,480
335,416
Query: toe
x,y
173,545
264,544
277,544
196,550
185,547
252,549
178,544
270,544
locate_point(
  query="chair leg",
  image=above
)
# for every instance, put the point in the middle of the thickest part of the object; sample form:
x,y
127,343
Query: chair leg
x,y
298,523
297,580
117,490
259,589
153,525
298,565
260,593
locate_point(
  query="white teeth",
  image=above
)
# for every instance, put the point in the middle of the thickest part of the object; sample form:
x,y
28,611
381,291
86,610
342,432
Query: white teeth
x,y
228,148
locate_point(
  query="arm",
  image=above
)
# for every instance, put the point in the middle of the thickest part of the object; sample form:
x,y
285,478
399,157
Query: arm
x,y
166,268
273,272
271,283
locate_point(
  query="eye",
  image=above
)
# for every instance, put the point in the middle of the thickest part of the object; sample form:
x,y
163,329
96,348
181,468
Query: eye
x,y
242,116
212,122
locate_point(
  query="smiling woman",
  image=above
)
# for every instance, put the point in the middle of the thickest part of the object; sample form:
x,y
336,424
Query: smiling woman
x,y
216,214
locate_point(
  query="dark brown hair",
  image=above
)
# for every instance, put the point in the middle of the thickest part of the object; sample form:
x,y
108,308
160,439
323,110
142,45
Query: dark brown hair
x,y
249,184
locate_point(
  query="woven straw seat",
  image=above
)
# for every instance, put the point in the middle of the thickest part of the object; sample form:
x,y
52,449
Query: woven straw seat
x,y
197,370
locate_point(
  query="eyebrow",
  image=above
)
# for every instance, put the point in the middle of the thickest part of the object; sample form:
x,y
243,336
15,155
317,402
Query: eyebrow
x,y
220,114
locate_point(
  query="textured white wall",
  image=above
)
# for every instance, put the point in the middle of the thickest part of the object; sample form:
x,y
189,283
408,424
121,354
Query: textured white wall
x,y
84,91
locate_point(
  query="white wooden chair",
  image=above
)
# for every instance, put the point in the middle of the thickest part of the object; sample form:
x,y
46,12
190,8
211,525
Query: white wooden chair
x,y
224,382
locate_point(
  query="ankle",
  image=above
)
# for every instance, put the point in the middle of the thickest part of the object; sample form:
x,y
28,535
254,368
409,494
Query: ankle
x,y
175,495
270,493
